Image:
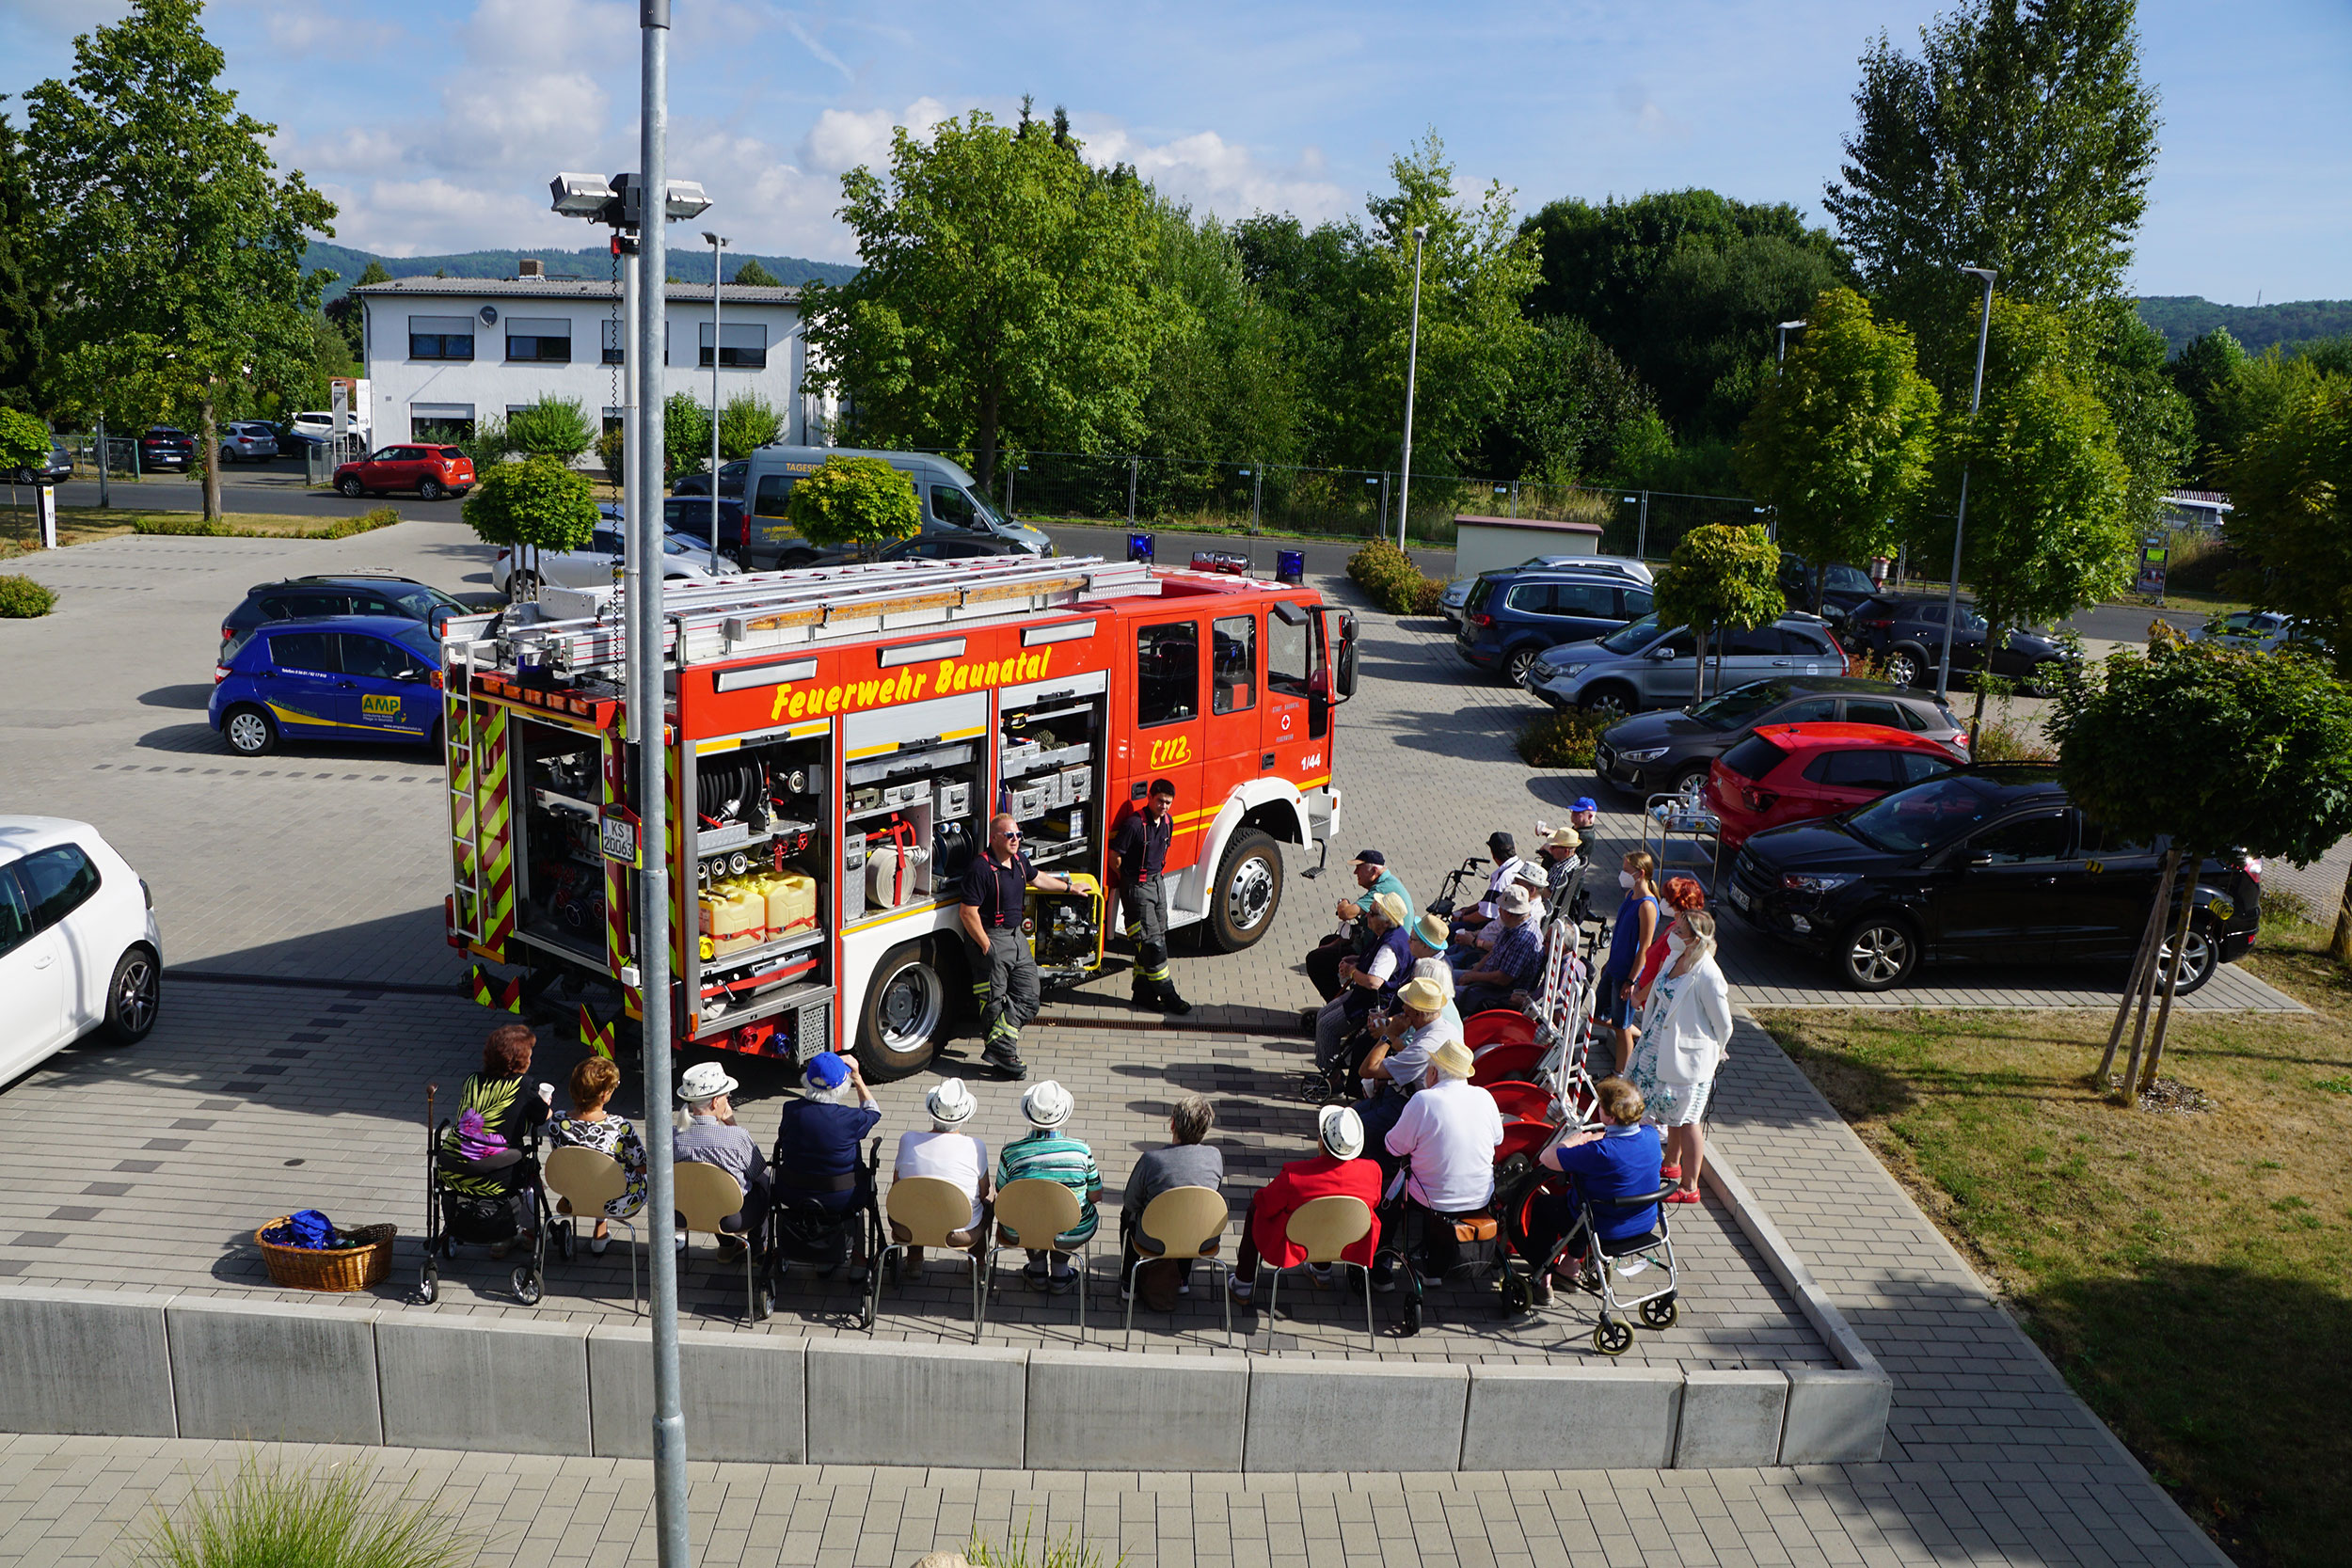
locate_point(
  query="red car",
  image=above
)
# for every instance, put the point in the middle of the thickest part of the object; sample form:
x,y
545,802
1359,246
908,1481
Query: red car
x,y
1801,772
431,471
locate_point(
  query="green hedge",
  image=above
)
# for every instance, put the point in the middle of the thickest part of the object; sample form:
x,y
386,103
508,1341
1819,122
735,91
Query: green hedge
x,y
21,599
341,527
1389,576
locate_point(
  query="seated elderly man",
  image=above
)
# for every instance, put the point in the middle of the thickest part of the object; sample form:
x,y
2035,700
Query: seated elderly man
x,y
1189,1162
1447,1137
1504,848
1338,1171
1514,963
712,1137
1365,983
1372,878
819,1137
1049,1153
950,1154
1393,1069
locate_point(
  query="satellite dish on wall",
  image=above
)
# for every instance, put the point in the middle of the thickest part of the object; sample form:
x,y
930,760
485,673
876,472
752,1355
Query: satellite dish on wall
x,y
489,315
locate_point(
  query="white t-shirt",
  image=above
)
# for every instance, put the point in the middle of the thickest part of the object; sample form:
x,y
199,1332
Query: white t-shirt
x,y
1449,1134
1382,963
956,1157
1506,872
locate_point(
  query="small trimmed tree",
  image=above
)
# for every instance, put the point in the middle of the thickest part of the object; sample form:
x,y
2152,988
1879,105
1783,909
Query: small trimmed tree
x,y
1721,576
23,442
746,424
2212,750
537,501
552,427
855,500
685,435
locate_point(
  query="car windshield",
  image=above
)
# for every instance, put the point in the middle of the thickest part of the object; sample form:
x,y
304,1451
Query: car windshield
x,y
1632,639
1929,816
1731,710
421,601
987,512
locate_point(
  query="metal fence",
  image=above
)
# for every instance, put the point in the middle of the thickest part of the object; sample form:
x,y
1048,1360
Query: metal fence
x,y
1352,504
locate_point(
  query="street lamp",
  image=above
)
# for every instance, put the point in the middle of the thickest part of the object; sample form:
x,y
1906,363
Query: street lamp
x,y
1960,523
718,266
1785,329
1412,358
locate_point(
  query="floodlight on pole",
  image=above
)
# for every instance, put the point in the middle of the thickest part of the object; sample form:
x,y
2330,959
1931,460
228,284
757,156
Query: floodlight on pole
x,y
1960,523
582,196
1412,361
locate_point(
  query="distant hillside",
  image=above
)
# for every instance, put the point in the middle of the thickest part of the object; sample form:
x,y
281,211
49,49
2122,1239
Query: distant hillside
x,y
2182,317
692,263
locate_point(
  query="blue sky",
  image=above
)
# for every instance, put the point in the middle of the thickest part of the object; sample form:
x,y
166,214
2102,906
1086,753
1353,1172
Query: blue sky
x,y
436,123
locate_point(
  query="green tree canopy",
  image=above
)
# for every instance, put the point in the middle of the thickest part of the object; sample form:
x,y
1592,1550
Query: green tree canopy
x,y
1841,444
24,440
1571,403
854,501
750,275
345,311
2021,137
2155,429
159,203
1721,575
2291,482
27,301
1223,384
685,435
536,500
2209,362
1002,296
550,426
746,424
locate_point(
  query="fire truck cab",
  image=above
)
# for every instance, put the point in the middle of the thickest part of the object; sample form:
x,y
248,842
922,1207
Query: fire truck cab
x,y
837,741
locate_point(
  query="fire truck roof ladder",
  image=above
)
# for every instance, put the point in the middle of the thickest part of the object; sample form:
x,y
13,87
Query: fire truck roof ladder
x,y
734,617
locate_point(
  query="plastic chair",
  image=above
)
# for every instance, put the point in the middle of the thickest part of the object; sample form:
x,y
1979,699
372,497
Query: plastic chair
x,y
930,1209
1520,1101
1034,1206
583,1181
1326,1228
1509,1062
1188,1223
705,1196
1498,1026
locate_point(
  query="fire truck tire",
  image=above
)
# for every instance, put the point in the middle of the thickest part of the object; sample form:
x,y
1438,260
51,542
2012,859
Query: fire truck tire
x,y
1249,890
905,1015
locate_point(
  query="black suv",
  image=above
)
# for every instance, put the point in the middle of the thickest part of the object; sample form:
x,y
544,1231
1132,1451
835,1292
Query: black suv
x,y
1907,631
1992,863
1842,587
359,595
163,447
730,481
1652,754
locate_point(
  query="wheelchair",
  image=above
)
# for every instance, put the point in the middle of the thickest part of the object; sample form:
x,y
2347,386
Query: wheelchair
x,y
1405,1240
802,1232
453,1218
1607,1268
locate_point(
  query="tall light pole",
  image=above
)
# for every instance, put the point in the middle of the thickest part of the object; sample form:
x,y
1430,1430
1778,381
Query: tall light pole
x,y
718,265
1412,359
1960,523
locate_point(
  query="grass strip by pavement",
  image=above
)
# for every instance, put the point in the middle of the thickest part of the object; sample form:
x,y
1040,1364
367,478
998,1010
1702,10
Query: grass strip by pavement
x,y
80,525
2189,1271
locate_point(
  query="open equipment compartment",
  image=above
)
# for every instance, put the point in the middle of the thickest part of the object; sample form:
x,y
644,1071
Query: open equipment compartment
x,y
559,880
759,829
1050,760
912,782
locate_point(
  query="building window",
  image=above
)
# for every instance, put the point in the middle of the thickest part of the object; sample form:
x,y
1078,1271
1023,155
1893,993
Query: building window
x,y
543,342
611,333
612,421
740,348
440,422
440,337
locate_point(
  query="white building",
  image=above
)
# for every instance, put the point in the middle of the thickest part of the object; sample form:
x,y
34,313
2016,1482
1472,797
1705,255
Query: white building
x,y
443,352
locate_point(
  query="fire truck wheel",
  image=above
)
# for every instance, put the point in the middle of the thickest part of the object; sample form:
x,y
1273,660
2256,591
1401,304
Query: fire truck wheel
x,y
1249,890
904,1017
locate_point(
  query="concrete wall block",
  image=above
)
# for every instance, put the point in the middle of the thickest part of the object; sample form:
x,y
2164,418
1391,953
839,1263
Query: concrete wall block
x,y
274,1373
1097,1410
1834,1417
1318,1416
906,1403
478,1383
85,1362
1571,1417
1730,1419
744,1395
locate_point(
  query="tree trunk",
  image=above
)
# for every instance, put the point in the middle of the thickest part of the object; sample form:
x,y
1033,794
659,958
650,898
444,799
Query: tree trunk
x,y
2151,938
2171,979
1698,656
2148,979
212,461
1976,725
2339,945
987,444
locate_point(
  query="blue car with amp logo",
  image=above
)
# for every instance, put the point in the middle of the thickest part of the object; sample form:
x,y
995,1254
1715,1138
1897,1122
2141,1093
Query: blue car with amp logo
x,y
339,677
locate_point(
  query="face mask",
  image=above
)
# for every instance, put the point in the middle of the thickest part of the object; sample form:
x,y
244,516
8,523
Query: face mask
x,y
1626,880
1674,944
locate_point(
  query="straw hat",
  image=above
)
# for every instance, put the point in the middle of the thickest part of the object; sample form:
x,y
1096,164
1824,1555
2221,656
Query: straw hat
x,y
1423,996
1391,908
1340,1131
1454,1059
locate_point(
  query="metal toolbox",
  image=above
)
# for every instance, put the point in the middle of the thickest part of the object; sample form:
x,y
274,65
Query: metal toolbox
x,y
1020,755
1025,803
1078,784
906,794
1062,756
955,800
1048,787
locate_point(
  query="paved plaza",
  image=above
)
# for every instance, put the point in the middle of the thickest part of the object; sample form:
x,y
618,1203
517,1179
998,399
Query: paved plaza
x,y
308,887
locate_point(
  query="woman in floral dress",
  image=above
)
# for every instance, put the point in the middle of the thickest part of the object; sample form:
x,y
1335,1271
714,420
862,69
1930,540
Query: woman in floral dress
x,y
590,1126
1681,1046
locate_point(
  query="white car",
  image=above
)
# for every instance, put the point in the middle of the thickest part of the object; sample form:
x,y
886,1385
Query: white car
x,y
595,566
79,947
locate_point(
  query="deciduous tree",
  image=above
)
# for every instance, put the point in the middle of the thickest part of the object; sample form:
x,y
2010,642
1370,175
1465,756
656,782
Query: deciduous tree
x,y
750,275
746,424
550,427
1721,576
854,501
2290,484
534,501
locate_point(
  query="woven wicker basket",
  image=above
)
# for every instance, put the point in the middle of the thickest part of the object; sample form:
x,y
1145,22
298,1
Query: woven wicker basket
x,y
339,1269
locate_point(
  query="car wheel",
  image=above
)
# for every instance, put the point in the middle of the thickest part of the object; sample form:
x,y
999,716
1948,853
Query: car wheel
x,y
1690,780
1247,890
1877,952
349,485
134,996
2200,955
904,1016
430,490
1607,695
227,455
522,587
2040,679
1519,667
25,476
1906,665
249,731
795,561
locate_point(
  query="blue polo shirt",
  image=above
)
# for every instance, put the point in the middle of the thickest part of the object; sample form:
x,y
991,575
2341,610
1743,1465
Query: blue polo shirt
x,y
1622,1162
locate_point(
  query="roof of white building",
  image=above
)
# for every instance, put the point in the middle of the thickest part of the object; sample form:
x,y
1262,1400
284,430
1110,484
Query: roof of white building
x,y
569,288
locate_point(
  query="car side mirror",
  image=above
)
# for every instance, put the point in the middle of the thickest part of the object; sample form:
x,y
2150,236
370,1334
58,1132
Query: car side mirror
x,y
410,676
1660,653
1976,858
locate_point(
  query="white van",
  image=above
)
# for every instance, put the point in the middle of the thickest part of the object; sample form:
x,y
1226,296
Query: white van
x,y
951,499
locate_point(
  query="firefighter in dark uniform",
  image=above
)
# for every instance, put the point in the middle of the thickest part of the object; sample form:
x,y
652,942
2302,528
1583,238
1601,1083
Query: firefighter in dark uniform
x,y
1004,970
1141,846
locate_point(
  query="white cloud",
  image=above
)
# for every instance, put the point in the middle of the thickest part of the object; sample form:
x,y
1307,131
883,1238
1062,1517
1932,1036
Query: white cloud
x,y
844,138
1227,177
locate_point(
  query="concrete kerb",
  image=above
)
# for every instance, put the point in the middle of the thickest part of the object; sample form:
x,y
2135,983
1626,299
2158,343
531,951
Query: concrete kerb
x,y
484,1383
86,1362
1086,1411
256,1372
745,1397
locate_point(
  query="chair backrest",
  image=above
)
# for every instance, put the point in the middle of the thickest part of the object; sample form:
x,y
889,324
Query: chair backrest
x,y
930,1207
1185,1220
704,1195
1037,1210
1327,1226
587,1178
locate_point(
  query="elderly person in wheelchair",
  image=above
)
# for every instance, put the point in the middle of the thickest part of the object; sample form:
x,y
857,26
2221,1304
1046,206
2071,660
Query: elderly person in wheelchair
x,y
487,1155
818,1137
1447,1137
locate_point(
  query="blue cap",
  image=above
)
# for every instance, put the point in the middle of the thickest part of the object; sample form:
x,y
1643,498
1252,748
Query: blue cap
x,y
1585,802
826,1070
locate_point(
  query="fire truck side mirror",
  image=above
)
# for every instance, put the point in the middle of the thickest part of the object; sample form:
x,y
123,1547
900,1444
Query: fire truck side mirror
x,y
1345,659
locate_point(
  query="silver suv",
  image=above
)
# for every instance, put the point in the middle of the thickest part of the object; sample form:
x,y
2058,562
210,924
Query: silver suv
x,y
1645,665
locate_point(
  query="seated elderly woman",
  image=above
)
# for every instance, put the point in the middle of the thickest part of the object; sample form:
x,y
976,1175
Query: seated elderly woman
x,y
1188,1162
497,1111
591,1126
1619,1160
951,1154
819,1134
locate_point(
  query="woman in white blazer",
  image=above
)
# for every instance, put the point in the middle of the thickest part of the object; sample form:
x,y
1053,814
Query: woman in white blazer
x,y
1680,1044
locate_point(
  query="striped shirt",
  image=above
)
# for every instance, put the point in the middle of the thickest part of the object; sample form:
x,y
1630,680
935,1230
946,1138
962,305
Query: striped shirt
x,y
1047,1155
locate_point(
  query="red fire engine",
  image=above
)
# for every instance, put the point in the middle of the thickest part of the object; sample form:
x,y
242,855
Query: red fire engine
x,y
837,741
